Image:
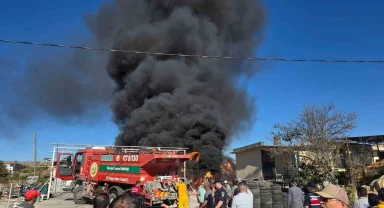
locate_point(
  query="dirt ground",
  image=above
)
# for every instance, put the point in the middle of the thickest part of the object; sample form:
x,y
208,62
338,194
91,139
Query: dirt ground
x,y
64,200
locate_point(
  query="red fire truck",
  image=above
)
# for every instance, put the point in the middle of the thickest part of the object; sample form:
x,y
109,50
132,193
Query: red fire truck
x,y
114,170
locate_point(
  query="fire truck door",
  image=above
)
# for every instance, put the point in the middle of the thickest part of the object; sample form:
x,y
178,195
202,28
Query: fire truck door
x,y
64,166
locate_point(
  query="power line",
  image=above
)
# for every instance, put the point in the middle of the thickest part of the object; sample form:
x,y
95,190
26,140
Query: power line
x,y
190,55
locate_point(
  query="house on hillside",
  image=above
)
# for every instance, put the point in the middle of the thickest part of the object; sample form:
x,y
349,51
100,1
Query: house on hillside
x,y
13,166
46,160
255,161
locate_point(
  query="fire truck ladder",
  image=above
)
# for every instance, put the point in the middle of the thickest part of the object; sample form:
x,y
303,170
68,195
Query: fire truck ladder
x,y
169,150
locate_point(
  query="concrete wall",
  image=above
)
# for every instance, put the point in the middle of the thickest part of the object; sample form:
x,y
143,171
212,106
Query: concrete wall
x,y
248,163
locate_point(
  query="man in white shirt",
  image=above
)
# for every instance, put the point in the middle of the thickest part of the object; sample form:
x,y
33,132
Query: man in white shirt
x,y
244,199
362,202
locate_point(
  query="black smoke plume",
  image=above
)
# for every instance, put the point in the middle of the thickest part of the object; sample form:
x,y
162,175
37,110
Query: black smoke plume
x,y
180,101
63,85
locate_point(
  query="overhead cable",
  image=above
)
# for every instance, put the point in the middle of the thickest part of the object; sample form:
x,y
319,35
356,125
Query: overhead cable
x,y
191,55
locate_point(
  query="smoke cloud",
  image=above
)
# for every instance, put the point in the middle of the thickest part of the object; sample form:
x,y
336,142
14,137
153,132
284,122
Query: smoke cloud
x,y
179,101
64,86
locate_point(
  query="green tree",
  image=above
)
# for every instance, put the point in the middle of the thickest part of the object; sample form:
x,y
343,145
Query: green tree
x,y
15,176
4,174
308,173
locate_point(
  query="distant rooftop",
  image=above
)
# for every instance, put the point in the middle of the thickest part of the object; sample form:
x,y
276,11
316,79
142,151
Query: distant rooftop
x,y
248,147
374,139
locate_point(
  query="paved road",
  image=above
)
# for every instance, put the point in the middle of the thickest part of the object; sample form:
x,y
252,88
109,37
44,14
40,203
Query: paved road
x,y
65,201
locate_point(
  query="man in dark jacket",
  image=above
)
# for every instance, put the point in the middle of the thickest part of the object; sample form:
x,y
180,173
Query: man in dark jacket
x,y
220,195
30,199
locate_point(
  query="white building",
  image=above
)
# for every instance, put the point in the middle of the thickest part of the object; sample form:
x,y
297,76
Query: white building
x,y
13,166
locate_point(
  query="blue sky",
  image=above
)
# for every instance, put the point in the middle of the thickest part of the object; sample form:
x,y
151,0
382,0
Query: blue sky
x,y
296,29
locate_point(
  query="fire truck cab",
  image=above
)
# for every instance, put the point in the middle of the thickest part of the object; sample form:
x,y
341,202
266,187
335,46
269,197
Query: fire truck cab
x,y
115,169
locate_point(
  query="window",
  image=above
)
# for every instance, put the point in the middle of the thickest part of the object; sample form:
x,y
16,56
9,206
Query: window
x,y
80,158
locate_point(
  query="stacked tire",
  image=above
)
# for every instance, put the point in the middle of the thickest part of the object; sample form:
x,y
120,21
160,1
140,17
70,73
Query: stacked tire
x,y
277,196
265,194
255,189
285,199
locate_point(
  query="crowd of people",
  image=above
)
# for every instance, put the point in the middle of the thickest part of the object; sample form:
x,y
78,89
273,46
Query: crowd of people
x,y
221,195
217,195
332,196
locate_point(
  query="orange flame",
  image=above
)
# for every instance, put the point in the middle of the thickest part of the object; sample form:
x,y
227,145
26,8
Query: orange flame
x,y
195,156
198,181
227,169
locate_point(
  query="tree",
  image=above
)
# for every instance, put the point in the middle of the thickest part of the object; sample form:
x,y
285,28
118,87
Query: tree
x,y
15,176
4,174
308,173
316,136
356,164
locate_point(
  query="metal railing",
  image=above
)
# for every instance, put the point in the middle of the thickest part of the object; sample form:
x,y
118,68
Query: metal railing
x,y
125,148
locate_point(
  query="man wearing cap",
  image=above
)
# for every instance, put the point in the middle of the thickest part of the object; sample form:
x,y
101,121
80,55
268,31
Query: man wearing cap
x,y
311,200
220,195
228,188
333,196
30,198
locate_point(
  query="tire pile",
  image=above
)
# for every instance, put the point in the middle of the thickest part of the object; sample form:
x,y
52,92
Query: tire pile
x,y
268,195
285,199
277,196
254,188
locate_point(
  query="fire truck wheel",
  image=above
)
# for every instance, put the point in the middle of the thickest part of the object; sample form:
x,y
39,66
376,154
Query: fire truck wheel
x,y
114,191
78,195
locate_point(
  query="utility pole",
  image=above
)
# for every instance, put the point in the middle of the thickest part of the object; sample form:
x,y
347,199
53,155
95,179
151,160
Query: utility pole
x,y
35,153
350,163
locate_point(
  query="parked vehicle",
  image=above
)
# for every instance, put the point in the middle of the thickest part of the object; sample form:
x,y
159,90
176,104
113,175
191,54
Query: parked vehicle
x,y
116,169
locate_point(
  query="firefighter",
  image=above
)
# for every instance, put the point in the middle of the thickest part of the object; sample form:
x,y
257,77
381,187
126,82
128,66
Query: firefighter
x,y
182,194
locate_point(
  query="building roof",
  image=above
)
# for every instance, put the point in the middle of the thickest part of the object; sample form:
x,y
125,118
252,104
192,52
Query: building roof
x,y
361,139
251,146
374,139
